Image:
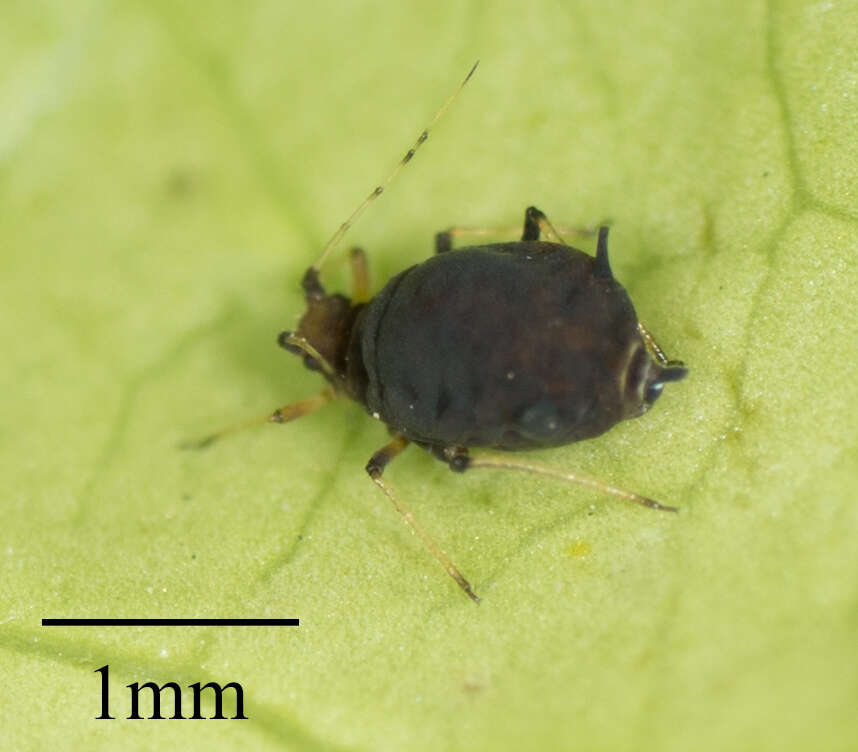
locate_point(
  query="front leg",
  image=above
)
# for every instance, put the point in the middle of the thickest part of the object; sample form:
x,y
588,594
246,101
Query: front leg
x,y
283,414
360,275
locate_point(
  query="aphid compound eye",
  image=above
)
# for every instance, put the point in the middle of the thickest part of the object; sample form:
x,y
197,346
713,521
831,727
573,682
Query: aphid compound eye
x,y
674,371
517,345
653,392
311,364
645,374
286,341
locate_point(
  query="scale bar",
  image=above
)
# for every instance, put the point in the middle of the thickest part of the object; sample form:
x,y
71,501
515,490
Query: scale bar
x,y
169,622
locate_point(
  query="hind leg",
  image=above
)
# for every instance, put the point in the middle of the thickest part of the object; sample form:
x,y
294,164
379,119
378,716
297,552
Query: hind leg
x,y
375,467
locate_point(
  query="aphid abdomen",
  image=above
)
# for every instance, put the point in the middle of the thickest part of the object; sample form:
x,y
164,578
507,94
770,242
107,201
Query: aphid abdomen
x,y
511,345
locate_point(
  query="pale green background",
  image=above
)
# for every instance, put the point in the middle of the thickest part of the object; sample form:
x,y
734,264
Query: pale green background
x,y
167,171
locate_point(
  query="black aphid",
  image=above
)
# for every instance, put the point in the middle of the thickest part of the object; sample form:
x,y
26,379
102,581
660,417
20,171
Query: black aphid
x,y
505,346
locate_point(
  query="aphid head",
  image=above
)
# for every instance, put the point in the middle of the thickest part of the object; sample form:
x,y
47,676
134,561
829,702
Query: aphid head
x,y
644,378
658,376
324,330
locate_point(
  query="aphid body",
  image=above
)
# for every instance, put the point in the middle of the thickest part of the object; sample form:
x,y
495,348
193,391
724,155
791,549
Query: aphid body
x,y
510,346
506,346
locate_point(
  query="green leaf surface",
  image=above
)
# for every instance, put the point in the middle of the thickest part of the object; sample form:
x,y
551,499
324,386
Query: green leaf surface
x,y
167,172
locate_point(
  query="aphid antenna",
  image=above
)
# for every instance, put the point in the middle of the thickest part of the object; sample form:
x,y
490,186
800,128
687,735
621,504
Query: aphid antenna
x,y
381,187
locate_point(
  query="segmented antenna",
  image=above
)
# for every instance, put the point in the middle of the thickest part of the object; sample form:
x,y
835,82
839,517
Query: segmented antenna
x,y
379,189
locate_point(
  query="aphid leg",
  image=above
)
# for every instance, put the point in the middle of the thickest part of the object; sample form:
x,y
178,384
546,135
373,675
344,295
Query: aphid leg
x,y
537,224
654,348
312,286
375,468
461,462
360,275
283,414
379,189
444,239
652,345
